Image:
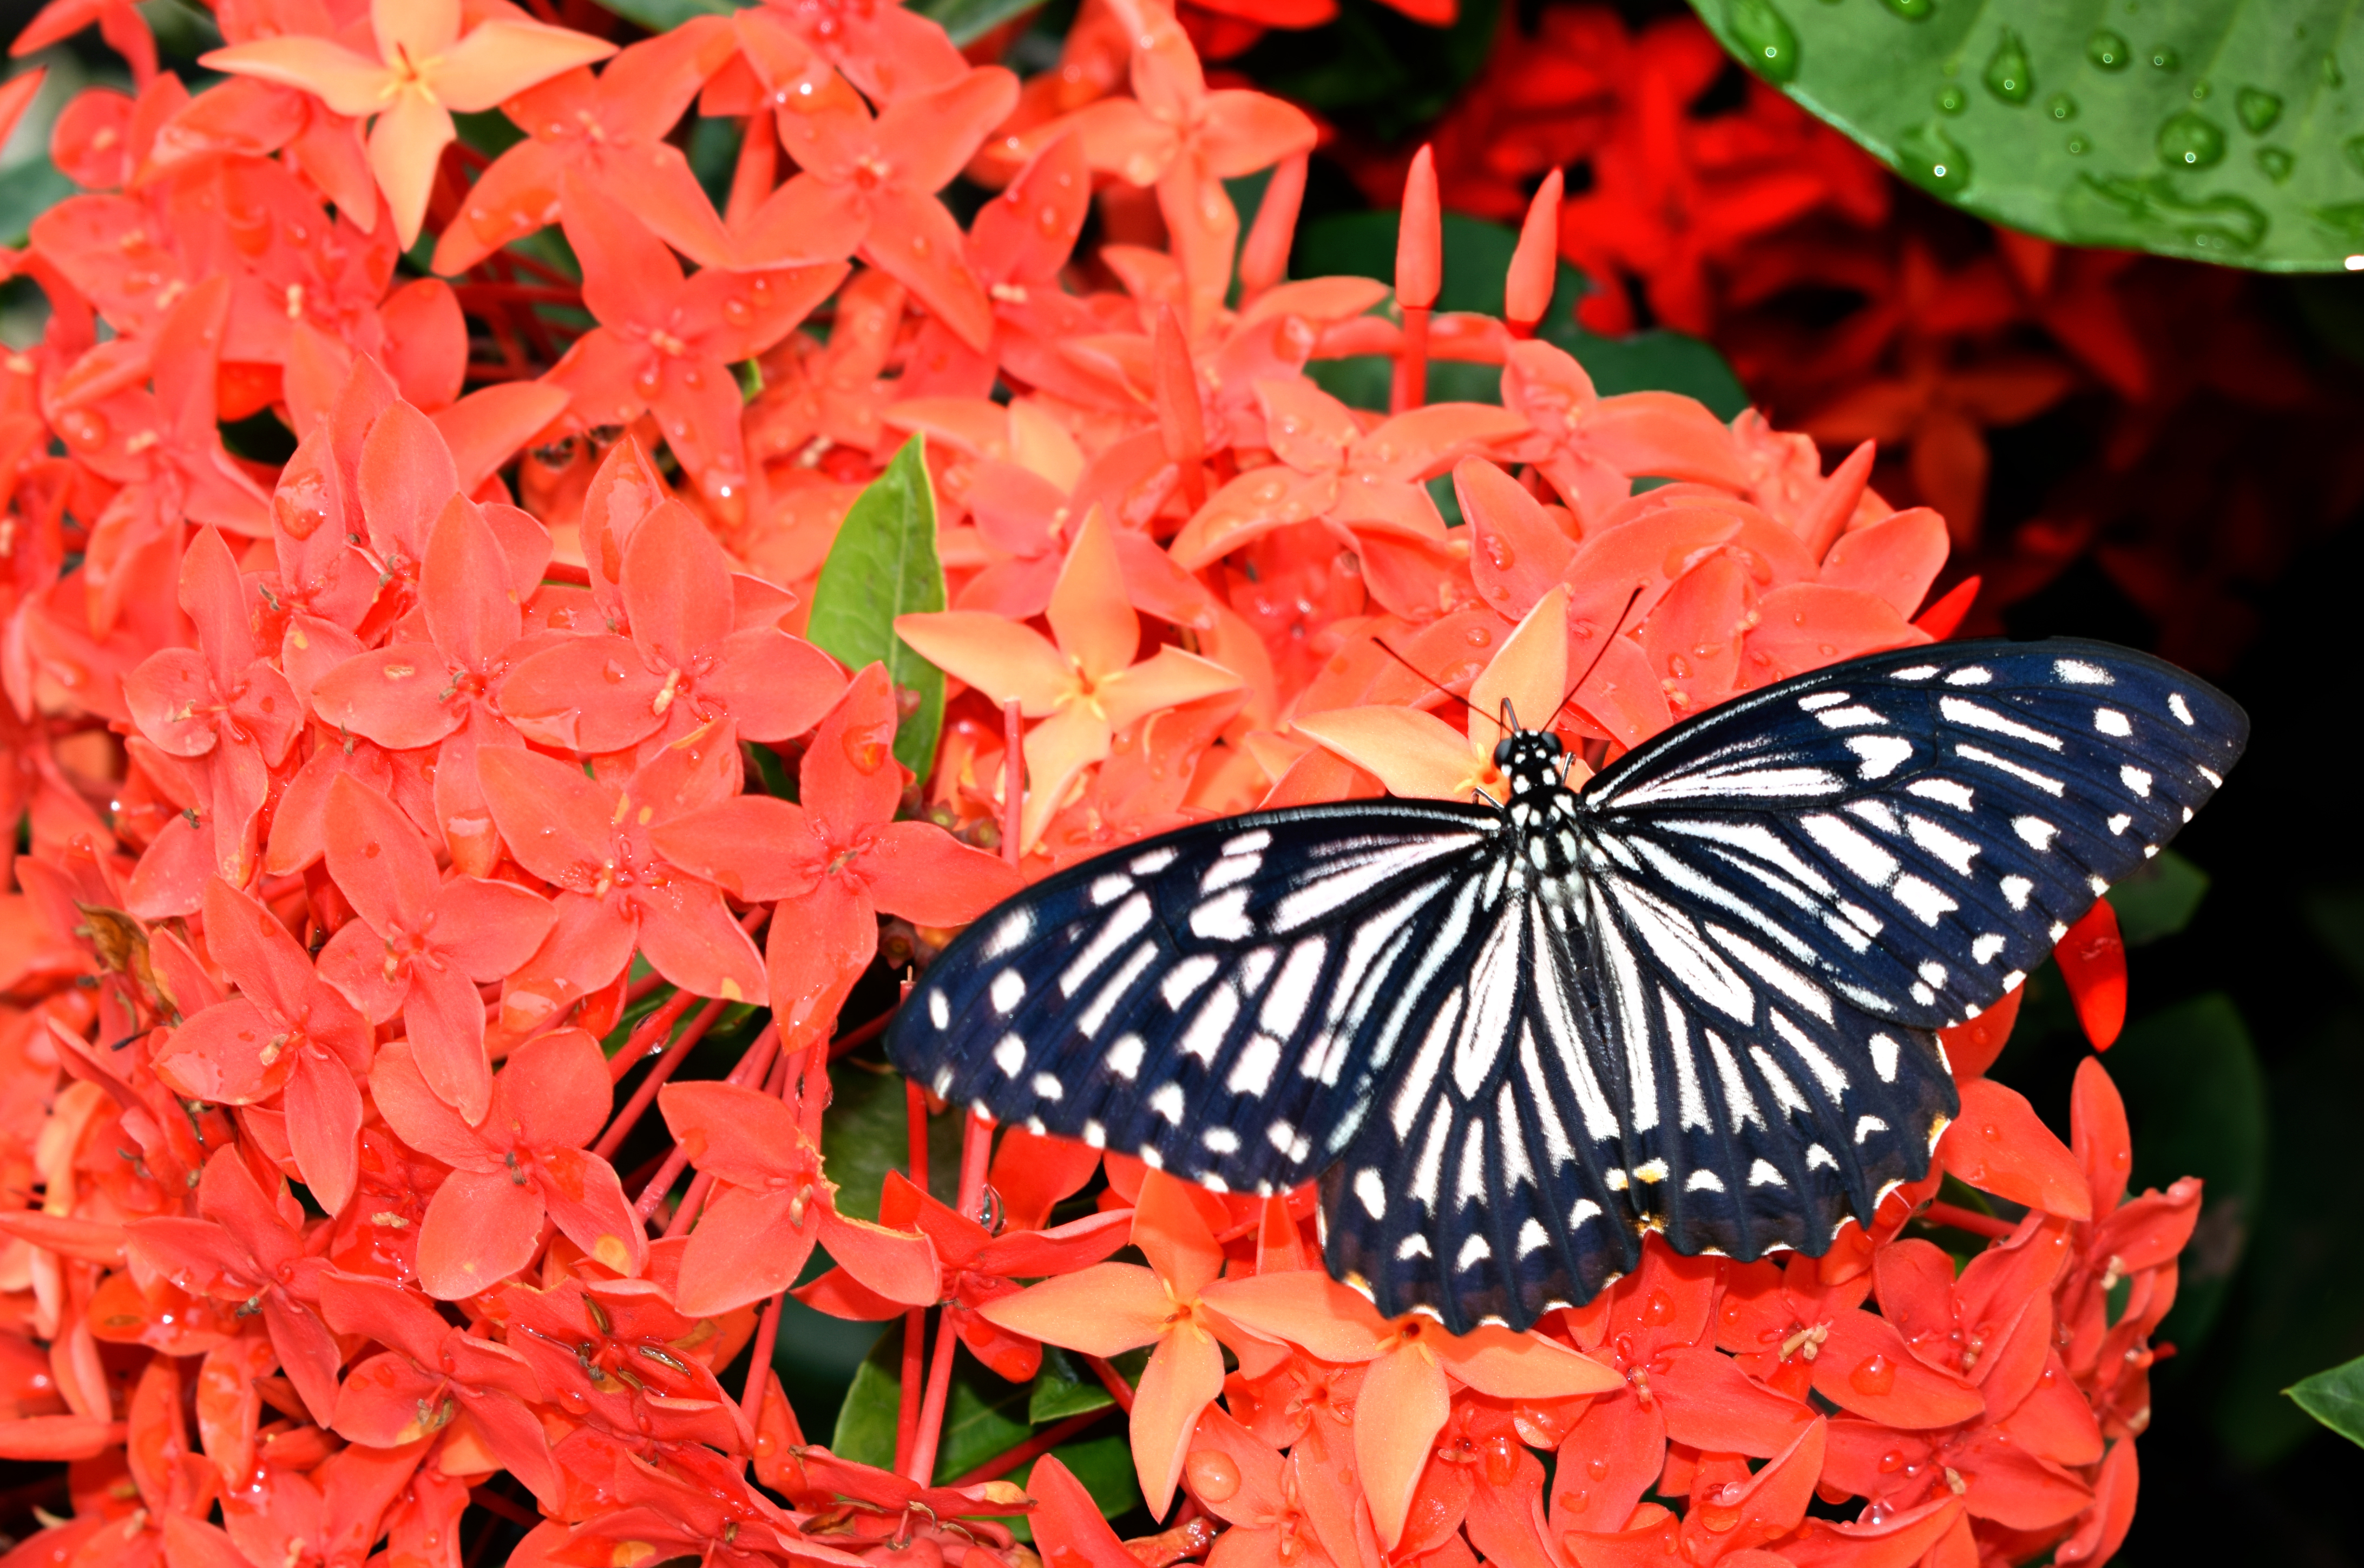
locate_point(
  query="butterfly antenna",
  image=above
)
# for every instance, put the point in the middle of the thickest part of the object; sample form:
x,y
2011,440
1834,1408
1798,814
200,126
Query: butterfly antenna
x,y
1630,600
1424,674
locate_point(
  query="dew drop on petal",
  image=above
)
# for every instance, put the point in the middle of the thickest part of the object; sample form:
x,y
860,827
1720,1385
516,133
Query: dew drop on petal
x,y
1874,1374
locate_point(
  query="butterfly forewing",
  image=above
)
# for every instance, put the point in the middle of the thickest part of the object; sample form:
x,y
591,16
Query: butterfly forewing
x,y
1216,1001
1700,997
1912,831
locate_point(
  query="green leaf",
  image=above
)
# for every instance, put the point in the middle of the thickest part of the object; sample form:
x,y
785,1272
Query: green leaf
x,y
866,1134
883,565
984,1417
1063,1389
968,21
2336,1399
1477,255
1104,1466
26,191
2158,898
2196,1100
873,1405
2215,129
663,16
2306,1268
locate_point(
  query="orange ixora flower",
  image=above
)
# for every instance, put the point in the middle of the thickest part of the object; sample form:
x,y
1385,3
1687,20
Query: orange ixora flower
x,y
423,69
1085,686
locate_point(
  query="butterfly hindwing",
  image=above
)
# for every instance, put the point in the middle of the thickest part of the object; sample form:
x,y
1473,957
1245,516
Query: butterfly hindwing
x,y
1212,1001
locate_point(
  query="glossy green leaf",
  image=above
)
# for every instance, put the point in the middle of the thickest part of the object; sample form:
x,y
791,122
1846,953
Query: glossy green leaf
x,y
2307,1270
866,1134
2336,1399
2196,1100
2213,128
1104,1464
1476,254
1063,1389
874,1405
2158,898
883,565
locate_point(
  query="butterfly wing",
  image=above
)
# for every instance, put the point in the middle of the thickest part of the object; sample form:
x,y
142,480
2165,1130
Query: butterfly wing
x,y
1726,1029
1219,1000
1912,831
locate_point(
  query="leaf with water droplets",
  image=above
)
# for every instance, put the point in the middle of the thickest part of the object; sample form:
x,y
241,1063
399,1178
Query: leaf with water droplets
x,y
883,565
2219,132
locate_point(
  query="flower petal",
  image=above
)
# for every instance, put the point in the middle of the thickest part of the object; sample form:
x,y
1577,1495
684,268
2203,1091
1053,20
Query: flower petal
x,y
478,1231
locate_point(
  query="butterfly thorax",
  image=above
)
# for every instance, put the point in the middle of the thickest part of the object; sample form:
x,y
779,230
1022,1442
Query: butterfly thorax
x,y
1541,808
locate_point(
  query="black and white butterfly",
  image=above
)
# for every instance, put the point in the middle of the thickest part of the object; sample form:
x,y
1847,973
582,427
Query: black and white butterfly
x,y
1699,995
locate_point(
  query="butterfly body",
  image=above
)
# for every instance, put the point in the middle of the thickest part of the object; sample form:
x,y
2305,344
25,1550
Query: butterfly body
x,y
1699,995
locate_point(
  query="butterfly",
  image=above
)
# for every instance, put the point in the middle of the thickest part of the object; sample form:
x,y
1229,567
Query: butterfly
x,y
1699,995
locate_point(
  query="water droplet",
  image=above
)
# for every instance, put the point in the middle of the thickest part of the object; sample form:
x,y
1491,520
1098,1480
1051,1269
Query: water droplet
x,y
1952,99
2062,106
1913,10
2165,58
1214,1476
1659,1310
1931,159
2189,141
1891,1462
1767,40
1596,1468
2078,146
2108,49
2258,109
1874,1374
736,311
2007,74
2275,163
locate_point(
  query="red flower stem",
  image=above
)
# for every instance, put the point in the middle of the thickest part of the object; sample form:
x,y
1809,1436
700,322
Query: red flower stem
x,y
651,1028
752,1065
1411,361
931,1411
1960,1219
907,1411
854,1038
1111,1380
1041,1443
759,1383
636,1106
691,1202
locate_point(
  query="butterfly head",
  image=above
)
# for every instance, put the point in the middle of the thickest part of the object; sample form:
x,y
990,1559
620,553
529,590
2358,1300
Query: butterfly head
x,y
1530,760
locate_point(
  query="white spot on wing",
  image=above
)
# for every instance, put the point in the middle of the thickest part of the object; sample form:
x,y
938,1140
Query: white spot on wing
x,y
1882,755
1969,675
1008,990
2037,832
1167,1102
1762,1174
2045,782
2110,721
1185,977
1224,918
2077,672
1947,791
2015,889
1923,900
2135,778
940,1012
1373,1191
1884,1049
1703,1182
1009,1056
1123,1057
1978,716
2179,708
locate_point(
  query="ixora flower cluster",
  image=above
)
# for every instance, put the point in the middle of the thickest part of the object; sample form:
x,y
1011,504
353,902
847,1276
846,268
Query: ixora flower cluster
x,y
389,845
